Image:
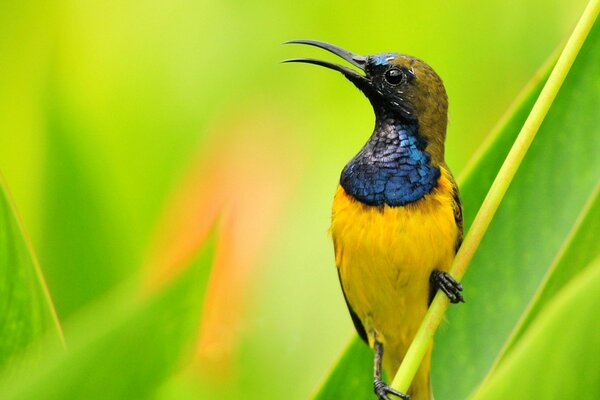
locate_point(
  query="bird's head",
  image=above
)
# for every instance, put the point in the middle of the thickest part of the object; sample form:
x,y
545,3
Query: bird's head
x,y
398,86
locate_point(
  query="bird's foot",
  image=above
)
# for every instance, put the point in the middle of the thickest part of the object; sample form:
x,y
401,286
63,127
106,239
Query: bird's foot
x,y
447,284
382,390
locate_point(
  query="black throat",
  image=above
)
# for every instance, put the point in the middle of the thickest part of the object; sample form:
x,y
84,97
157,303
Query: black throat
x,y
392,168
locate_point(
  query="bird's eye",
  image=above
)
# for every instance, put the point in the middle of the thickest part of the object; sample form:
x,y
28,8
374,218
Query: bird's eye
x,y
394,76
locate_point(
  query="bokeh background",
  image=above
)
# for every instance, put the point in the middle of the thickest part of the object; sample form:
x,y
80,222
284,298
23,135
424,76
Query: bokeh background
x,y
128,128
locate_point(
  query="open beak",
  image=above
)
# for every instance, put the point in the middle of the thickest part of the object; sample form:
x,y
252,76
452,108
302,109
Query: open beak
x,y
354,59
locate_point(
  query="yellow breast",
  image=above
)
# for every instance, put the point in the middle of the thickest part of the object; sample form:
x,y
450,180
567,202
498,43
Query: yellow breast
x,y
385,256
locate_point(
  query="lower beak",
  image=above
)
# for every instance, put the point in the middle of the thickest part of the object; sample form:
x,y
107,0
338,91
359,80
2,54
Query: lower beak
x,y
354,59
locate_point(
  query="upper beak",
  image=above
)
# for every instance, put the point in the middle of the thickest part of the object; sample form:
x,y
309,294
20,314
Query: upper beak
x,y
354,59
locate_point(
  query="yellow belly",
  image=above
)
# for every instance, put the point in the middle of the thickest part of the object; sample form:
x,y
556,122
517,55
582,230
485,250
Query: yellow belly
x,y
385,256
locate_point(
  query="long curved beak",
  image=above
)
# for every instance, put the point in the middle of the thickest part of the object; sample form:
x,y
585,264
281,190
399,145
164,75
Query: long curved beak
x,y
354,59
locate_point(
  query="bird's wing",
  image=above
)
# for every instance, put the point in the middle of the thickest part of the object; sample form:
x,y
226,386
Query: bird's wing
x,y
360,329
458,213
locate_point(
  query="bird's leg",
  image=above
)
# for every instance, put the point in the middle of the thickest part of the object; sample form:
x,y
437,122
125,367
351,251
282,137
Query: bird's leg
x,y
381,389
447,284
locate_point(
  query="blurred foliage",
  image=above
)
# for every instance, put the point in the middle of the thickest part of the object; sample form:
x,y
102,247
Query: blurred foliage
x,y
565,327
26,311
578,250
122,349
129,128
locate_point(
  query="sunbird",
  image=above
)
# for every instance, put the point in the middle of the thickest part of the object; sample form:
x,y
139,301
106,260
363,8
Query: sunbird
x,y
397,217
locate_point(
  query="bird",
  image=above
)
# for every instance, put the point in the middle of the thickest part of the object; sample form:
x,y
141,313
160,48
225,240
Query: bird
x,y
397,219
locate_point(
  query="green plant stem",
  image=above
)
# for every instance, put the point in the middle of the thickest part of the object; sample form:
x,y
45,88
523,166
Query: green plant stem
x,y
435,314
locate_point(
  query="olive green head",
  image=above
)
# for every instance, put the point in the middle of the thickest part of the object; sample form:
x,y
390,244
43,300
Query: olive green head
x,y
399,87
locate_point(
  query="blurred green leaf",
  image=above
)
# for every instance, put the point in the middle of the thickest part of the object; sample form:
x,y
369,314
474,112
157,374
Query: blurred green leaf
x,y
561,169
352,378
122,348
26,310
557,357
578,251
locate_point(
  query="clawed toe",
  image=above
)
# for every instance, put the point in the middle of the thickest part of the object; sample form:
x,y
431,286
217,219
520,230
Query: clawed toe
x,y
382,390
447,284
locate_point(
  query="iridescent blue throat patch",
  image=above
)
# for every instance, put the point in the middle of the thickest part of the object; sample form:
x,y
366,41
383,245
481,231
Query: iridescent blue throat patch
x,y
392,168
